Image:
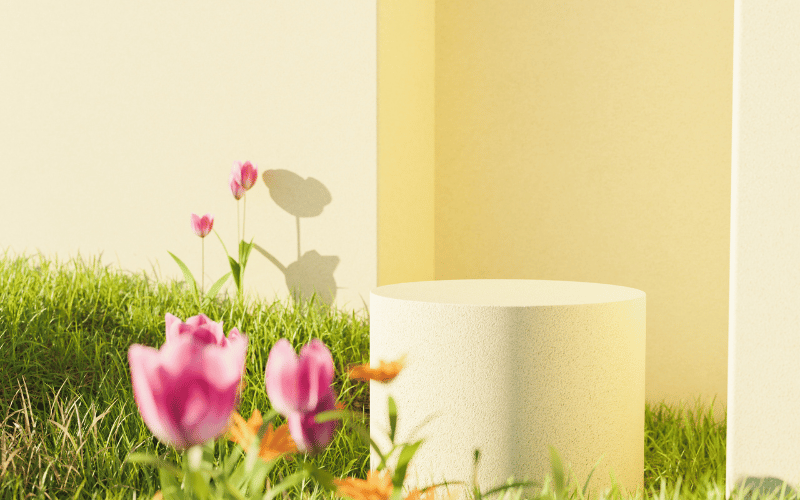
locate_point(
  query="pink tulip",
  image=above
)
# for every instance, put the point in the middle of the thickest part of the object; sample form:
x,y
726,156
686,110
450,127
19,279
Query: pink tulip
x,y
236,188
187,390
202,227
245,174
301,389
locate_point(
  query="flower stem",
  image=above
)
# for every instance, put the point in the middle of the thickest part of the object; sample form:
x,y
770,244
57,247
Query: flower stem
x,y
195,455
203,268
241,271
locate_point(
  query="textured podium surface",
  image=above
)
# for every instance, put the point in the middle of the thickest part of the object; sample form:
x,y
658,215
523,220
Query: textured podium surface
x,y
510,367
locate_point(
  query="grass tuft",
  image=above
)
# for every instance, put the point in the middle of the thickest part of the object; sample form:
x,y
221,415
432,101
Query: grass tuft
x,y
71,419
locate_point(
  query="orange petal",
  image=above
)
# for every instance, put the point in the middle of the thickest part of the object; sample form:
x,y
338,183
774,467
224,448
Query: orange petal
x,y
377,486
274,443
242,432
385,372
237,429
277,442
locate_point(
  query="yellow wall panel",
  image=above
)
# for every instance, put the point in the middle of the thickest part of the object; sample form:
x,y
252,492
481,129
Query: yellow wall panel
x,y
405,141
591,142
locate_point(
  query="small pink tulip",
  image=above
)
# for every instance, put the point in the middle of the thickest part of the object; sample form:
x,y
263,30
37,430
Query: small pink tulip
x,y
300,390
202,227
187,390
245,174
236,188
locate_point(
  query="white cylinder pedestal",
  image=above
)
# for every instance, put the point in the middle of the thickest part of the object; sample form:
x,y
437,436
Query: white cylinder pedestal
x,y
510,367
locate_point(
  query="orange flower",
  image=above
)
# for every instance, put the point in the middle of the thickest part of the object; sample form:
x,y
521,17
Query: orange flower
x,y
378,486
384,373
273,444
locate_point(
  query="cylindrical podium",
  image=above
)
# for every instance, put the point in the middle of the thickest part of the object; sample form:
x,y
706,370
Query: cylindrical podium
x,y
511,367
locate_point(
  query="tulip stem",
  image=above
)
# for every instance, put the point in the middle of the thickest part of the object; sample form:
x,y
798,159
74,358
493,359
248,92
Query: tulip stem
x,y
203,266
195,456
241,263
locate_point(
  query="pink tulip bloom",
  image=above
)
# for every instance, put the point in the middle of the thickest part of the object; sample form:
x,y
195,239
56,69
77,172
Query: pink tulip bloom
x,y
187,390
236,188
299,389
245,174
202,227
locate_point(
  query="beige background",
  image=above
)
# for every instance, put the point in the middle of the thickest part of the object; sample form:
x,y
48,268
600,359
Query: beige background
x,y
530,140
120,119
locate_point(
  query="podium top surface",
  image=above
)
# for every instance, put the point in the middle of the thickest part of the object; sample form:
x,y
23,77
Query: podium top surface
x,y
507,293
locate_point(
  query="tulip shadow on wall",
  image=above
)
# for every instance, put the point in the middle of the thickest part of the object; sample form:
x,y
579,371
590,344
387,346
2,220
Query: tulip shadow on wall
x,y
302,198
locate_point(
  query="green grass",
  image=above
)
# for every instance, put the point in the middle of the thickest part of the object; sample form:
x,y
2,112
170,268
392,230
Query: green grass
x,y
71,418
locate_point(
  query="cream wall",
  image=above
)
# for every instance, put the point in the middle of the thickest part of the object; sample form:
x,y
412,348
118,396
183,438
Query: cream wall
x,y
119,119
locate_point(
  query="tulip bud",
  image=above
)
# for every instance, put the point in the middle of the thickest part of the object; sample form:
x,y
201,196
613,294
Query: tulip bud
x,y
202,226
236,188
300,389
245,174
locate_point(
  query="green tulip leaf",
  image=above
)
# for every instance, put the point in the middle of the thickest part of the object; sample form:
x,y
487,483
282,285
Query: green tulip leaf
x,y
212,292
186,274
402,463
235,270
326,416
244,251
392,418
